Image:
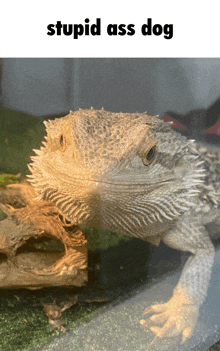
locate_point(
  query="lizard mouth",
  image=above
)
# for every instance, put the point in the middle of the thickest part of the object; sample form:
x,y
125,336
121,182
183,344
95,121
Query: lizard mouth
x,y
98,185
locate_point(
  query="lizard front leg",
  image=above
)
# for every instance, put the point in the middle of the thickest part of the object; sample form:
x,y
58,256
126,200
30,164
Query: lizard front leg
x,y
180,313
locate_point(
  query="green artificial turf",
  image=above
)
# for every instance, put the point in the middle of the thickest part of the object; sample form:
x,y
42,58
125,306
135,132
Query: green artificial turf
x,y
23,324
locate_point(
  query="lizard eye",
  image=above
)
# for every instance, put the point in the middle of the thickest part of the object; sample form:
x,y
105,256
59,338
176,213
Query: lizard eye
x,y
62,142
149,156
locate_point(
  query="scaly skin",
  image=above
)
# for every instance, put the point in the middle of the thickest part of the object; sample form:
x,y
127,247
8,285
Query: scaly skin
x,y
132,174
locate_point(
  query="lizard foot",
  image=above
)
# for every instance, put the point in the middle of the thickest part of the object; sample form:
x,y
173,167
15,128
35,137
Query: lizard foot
x,y
179,315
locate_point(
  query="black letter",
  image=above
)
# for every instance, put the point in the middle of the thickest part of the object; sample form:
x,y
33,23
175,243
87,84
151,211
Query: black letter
x,y
67,32
157,29
146,28
131,30
51,30
96,28
87,27
168,29
112,29
122,30
78,32
59,26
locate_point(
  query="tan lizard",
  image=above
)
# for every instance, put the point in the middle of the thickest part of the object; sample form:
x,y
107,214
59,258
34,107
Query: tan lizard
x,y
132,174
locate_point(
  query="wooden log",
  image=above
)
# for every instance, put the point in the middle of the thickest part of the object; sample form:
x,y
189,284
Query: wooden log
x,y
29,228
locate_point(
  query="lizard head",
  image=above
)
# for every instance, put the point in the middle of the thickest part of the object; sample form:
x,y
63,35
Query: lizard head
x,y
115,170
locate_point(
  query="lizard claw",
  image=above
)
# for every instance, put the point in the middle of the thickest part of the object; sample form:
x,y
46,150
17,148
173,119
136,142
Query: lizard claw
x,y
154,340
186,334
145,323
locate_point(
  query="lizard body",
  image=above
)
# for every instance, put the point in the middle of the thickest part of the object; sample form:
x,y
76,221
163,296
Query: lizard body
x,y
132,174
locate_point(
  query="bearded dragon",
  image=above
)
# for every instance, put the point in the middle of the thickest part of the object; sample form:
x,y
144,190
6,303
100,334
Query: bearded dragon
x,y
132,174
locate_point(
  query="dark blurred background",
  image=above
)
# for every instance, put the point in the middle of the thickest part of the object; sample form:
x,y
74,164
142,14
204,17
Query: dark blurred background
x,y
184,89
44,86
